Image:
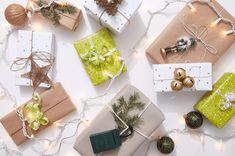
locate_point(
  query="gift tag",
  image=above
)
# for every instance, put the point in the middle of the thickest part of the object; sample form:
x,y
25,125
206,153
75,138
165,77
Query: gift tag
x,y
105,141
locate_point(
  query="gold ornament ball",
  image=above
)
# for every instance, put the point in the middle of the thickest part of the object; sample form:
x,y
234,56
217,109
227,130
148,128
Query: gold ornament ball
x,y
188,81
179,73
176,85
16,15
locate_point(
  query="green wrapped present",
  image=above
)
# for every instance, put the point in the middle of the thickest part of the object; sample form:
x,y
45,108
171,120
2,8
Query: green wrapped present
x,y
100,56
218,105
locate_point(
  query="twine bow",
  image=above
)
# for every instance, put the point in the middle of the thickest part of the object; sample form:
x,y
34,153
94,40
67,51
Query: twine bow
x,y
228,98
97,57
200,34
37,74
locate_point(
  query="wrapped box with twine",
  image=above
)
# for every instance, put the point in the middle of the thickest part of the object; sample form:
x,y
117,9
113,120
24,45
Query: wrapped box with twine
x,y
218,105
55,104
150,119
114,18
100,56
197,23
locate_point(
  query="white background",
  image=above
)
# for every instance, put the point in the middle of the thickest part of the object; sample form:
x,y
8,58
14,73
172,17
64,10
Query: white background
x,y
70,72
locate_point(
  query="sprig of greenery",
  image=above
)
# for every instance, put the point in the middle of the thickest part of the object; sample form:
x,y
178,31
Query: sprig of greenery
x,y
54,12
123,109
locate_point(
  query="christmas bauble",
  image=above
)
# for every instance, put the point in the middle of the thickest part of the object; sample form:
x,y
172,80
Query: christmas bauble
x,y
188,81
179,73
193,120
165,145
16,15
176,85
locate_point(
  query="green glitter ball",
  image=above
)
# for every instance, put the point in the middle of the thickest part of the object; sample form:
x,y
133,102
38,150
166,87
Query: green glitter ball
x,y
194,120
165,145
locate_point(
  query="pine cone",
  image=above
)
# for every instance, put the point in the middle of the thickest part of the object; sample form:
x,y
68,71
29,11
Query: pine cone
x,y
110,6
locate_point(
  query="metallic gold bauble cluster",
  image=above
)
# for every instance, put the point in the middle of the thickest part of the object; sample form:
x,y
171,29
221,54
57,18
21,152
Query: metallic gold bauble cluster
x,y
181,80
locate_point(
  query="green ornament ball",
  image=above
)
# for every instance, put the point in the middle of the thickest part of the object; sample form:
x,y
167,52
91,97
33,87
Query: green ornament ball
x,y
165,145
193,120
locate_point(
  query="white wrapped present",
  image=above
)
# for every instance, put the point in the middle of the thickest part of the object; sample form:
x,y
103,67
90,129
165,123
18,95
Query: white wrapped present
x,y
201,73
126,11
29,42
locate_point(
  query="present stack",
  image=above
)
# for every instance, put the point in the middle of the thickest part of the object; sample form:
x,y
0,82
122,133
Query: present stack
x,y
116,22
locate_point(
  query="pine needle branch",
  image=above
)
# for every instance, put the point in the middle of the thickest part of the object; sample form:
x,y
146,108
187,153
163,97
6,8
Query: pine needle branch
x,y
124,108
54,12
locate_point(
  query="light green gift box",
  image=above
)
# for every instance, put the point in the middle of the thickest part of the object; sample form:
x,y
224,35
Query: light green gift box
x,y
100,56
210,104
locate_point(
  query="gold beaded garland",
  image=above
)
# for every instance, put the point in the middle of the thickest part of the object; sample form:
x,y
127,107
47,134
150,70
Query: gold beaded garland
x,y
16,15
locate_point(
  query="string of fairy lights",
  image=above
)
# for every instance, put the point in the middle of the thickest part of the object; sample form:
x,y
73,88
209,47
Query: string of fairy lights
x,y
59,139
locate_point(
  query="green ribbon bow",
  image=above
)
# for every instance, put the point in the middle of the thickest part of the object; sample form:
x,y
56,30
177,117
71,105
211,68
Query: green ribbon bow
x,y
33,115
98,57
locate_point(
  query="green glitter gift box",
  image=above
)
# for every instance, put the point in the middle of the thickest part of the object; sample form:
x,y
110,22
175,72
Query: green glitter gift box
x,y
218,105
100,56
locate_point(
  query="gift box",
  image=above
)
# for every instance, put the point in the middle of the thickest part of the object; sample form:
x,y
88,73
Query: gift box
x,y
100,56
201,73
55,104
188,21
151,119
39,42
217,105
118,22
67,20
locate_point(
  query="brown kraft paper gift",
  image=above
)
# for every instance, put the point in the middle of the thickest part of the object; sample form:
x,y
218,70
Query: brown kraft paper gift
x,y
69,21
56,104
203,15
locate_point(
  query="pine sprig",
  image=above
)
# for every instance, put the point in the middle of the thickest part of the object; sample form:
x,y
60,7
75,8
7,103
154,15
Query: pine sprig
x,y
124,108
54,12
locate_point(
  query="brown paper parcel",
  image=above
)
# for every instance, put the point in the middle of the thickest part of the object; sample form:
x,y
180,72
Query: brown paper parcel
x,y
69,21
55,105
152,118
203,15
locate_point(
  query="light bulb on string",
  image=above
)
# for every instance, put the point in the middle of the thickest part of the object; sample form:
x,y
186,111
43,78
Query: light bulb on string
x,y
192,8
60,3
57,124
229,32
220,145
35,26
108,74
181,120
86,122
214,23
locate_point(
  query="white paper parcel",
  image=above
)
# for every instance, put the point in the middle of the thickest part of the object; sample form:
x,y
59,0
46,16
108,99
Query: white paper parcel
x,y
164,75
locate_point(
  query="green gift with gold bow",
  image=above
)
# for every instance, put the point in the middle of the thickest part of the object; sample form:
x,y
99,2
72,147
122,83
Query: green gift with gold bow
x,y
100,56
218,106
